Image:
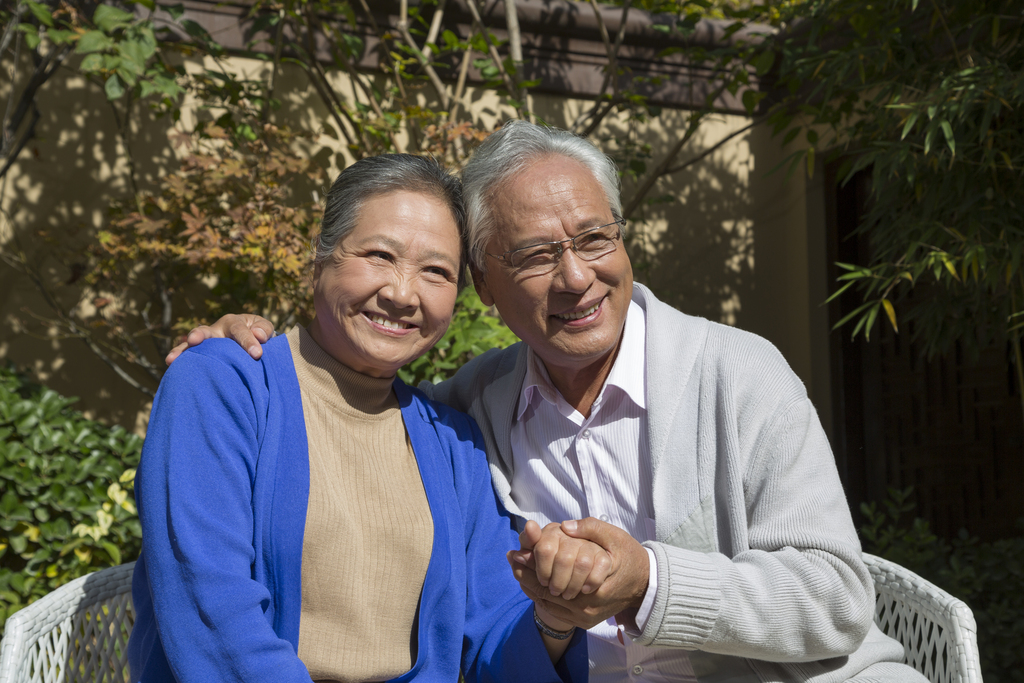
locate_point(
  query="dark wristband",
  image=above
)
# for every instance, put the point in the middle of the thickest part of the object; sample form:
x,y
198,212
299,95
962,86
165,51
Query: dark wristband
x,y
547,630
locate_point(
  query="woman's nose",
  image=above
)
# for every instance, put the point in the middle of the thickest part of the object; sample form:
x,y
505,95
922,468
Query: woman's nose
x,y
400,291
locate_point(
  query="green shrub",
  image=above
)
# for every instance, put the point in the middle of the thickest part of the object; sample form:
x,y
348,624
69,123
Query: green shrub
x,y
988,576
474,329
66,507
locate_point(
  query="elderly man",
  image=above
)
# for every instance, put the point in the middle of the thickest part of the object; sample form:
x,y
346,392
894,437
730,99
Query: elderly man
x,y
688,449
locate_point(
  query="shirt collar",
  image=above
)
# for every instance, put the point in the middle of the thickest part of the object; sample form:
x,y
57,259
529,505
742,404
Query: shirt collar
x,y
627,373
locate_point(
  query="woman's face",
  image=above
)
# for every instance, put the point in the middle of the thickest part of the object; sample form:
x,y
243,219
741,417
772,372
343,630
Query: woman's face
x,y
386,294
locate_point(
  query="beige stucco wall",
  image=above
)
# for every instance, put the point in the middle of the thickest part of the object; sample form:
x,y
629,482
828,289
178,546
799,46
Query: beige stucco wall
x,y
734,244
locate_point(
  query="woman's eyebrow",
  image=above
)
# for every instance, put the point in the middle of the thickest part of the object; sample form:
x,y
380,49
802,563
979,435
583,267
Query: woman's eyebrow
x,y
430,255
399,247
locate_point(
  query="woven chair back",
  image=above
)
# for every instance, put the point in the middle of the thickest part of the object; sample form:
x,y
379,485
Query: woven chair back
x,y
76,634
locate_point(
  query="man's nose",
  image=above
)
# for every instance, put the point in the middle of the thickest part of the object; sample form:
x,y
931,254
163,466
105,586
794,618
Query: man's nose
x,y
573,274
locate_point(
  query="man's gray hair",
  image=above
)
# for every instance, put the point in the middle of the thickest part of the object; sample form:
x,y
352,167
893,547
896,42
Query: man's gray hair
x,y
374,176
508,152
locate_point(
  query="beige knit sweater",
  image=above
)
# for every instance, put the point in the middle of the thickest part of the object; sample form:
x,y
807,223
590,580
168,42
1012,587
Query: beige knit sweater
x,y
368,530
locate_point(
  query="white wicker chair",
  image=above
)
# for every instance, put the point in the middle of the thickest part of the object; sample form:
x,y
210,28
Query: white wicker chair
x,y
79,632
938,631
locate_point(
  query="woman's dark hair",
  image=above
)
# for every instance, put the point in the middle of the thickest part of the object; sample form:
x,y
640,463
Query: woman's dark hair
x,y
374,176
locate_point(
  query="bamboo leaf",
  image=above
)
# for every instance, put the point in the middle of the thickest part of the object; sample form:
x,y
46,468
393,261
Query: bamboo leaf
x,y
891,313
839,292
909,125
852,314
947,130
870,321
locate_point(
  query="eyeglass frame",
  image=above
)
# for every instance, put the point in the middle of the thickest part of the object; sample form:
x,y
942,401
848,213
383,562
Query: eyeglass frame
x,y
621,222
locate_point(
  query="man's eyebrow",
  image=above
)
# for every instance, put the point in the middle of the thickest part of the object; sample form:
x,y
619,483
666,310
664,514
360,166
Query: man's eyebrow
x,y
586,224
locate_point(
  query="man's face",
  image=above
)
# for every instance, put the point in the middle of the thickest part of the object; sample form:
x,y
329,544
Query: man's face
x,y
572,316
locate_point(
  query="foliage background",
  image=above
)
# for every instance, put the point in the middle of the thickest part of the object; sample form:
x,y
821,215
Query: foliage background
x,y
66,509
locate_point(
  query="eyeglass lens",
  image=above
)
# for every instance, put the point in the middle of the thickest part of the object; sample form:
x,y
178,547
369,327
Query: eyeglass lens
x,y
589,245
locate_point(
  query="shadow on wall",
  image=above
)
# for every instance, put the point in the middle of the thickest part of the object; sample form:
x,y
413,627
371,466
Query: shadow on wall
x,y
57,194
692,243
696,250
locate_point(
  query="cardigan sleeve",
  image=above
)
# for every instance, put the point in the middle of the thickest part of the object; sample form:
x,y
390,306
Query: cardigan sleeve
x,y
791,586
194,486
501,642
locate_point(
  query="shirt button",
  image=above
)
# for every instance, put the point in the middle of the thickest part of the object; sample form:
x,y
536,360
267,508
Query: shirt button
x,y
638,669
586,434
604,518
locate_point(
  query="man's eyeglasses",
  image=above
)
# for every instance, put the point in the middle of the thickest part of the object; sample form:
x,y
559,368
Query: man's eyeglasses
x,y
589,245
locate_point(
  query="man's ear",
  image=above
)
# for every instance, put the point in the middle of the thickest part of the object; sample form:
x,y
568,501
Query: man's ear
x,y
480,285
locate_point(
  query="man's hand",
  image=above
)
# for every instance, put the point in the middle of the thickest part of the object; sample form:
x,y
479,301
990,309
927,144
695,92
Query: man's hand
x,y
247,330
619,595
564,565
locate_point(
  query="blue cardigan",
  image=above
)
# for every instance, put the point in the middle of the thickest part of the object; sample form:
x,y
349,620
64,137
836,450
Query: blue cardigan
x,y
222,490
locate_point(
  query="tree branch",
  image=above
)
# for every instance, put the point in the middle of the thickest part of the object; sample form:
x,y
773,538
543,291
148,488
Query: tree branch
x,y
510,85
403,29
515,46
25,137
384,49
11,29
435,28
601,110
711,150
272,81
460,86
666,162
63,319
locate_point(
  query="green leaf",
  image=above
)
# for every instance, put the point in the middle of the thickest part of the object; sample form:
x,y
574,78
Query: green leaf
x,y
113,551
909,125
839,291
40,12
113,88
176,11
60,37
763,62
947,130
32,40
148,4
751,98
134,55
93,41
110,18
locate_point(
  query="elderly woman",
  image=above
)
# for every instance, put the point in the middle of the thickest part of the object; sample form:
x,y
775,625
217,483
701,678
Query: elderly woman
x,y
309,517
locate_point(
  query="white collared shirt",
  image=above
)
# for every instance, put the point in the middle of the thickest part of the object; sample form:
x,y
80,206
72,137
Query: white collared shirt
x,y
569,467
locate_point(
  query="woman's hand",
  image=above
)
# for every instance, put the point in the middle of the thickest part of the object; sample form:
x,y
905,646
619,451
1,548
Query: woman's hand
x,y
247,330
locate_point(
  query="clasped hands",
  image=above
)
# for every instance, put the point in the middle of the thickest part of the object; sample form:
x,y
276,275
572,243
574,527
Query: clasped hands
x,y
580,573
